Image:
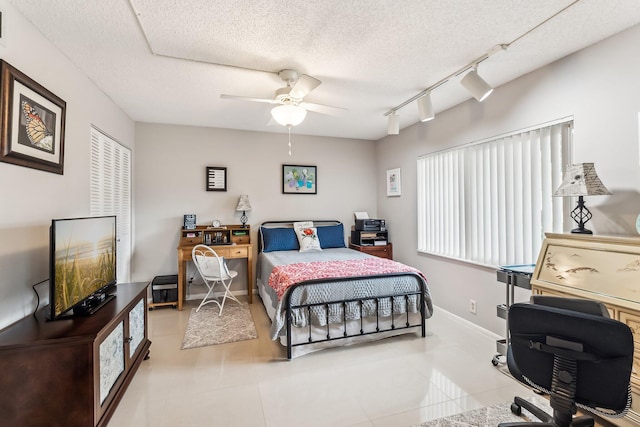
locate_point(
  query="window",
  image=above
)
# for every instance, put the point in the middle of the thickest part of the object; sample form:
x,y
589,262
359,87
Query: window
x,y
490,202
111,192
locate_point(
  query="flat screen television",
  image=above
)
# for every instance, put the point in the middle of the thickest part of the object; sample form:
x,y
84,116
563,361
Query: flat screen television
x,y
82,265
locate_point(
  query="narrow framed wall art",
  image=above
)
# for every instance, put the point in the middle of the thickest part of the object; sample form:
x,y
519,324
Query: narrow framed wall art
x,y
394,183
216,178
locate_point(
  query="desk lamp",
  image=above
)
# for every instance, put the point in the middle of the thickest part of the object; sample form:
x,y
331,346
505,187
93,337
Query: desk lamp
x,y
243,206
581,180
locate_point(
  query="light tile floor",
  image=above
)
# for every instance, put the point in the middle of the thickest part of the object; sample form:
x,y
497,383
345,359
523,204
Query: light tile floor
x,y
398,382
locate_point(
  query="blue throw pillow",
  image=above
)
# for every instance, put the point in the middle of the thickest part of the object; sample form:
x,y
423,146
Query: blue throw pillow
x,y
279,239
331,236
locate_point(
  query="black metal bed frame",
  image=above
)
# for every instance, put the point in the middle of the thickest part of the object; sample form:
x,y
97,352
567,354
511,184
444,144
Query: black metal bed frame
x,y
360,301
407,324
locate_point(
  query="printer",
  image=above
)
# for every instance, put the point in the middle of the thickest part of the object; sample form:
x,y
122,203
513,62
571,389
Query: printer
x,y
370,225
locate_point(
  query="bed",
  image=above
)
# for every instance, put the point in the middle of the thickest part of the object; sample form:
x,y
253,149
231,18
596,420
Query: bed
x,y
318,293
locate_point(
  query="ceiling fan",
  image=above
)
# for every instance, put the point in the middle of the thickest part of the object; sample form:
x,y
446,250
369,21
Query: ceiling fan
x,y
292,108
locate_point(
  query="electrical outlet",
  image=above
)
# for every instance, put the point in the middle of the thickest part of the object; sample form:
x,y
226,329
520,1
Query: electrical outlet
x,y
472,306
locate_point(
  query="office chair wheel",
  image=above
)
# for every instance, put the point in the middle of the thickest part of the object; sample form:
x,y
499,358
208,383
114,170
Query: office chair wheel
x,y
516,409
498,359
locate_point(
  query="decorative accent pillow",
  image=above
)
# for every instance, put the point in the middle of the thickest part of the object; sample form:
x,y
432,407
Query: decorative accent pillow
x,y
279,239
210,265
302,224
331,236
308,239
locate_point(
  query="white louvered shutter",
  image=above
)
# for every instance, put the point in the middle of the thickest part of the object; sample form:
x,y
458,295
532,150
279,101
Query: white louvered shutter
x,y
111,193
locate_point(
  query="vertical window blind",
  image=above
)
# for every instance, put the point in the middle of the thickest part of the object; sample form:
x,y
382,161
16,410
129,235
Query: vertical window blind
x,y
110,193
490,202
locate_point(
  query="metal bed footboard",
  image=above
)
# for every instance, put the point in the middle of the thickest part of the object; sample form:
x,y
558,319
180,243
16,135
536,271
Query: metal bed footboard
x,y
420,293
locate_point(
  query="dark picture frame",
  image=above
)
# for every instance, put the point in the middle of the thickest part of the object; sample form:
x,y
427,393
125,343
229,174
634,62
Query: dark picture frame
x,y
33,122
216,178
299,179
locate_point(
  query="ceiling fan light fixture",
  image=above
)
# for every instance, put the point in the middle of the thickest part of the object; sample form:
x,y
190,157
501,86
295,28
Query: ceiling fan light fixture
x,y
288,115
476,85
425,108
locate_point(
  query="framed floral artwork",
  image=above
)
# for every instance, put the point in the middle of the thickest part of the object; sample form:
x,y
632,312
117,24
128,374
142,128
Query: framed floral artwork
x,y
299,179
394,184
33,122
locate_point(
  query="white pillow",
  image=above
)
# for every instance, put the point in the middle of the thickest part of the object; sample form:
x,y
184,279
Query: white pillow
x,y
308,239
211,266
301,224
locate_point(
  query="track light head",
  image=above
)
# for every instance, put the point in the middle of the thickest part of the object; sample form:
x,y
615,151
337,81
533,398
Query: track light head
x,y
476,86
425,108
394,124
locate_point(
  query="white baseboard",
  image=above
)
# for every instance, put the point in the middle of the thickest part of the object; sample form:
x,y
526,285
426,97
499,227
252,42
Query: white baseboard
x,y
456,318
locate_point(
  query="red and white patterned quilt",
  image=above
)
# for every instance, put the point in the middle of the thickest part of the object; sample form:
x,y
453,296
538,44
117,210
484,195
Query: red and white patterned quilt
x,y
284,276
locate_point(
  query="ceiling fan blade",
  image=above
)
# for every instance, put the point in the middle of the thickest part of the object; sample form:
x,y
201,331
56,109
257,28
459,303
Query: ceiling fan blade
x,y
248,98
303,86
323,109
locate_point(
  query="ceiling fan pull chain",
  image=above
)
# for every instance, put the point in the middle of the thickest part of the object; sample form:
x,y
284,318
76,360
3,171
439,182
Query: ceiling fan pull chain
x,y
289,127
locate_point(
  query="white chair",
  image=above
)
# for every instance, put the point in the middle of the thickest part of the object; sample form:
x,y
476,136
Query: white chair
x,y
213,270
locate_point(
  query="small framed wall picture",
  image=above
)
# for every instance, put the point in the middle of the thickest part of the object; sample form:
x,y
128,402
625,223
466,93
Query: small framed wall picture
x,y
190,222
216,178
394,184
299,179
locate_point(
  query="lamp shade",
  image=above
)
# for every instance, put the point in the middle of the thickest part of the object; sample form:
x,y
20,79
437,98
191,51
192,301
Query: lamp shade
x,y
425,108
394,124
243,203
476,85
581,180
288,115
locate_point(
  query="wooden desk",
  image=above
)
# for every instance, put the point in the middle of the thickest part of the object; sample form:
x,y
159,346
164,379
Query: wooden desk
x,y
228,251
600,268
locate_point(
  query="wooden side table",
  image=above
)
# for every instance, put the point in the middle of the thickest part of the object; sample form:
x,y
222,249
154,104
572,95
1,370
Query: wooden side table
x,y
382,251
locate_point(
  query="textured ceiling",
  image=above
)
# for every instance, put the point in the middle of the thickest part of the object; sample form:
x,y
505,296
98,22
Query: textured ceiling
x,y
168,61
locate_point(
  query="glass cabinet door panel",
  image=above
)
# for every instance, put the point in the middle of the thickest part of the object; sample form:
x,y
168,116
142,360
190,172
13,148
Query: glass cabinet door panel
x,y
111,360
136,327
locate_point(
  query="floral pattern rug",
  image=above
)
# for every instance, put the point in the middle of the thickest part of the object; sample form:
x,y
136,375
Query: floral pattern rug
x,y
205,327
488,416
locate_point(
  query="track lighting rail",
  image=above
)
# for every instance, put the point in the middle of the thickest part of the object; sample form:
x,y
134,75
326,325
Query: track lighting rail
x,y
394,122
456,73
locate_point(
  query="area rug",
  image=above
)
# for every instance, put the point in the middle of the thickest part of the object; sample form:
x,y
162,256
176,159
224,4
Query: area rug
x,y
488,416
205,327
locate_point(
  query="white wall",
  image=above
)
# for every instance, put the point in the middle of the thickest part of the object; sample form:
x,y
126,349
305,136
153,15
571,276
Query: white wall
x,y
598,86
170,182
30,198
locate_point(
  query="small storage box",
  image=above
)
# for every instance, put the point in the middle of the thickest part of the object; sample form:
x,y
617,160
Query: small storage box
x,y
164,288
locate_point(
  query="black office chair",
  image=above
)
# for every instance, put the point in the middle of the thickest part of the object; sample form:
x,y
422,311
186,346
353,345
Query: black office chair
x,y
570,349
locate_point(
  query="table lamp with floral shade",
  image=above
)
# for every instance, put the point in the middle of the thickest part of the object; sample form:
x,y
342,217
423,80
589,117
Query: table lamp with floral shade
x,y
581,180
243,206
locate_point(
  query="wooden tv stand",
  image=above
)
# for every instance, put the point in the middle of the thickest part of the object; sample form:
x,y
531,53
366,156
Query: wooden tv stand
x,y
75,371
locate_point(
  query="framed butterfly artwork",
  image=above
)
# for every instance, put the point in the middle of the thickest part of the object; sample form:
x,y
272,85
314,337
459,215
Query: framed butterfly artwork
x,y
33,121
